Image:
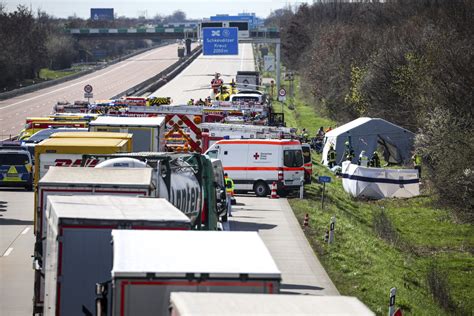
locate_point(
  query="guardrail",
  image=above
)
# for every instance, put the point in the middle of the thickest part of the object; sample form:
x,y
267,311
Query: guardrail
x,y
50,83
162,77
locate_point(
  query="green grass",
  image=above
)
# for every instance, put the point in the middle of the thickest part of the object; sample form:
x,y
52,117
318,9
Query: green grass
x,y
303,113
364,265
48,74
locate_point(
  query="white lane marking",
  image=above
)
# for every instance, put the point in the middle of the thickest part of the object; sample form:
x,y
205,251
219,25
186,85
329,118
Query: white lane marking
x,y
25,231
9,250
80,82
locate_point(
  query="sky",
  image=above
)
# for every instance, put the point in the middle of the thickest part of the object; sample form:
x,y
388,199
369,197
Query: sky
x,y
196,9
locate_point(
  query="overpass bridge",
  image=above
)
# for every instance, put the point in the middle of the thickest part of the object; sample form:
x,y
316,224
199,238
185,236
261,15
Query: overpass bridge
x,y
270,35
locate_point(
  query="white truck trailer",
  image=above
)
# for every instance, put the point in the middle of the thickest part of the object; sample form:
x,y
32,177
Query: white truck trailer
x,y
79,249
148,132
81,181
147,267
232,304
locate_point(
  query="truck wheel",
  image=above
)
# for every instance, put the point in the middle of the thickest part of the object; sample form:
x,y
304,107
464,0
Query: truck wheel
x,y
261,189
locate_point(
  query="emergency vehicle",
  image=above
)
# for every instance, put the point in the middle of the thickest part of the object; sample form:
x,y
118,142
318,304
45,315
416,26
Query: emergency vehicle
x,y
213,132
15,167
181,124
35,124
254,164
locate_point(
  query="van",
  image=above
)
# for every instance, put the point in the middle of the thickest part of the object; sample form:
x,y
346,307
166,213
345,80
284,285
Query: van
x,y
247,98
254,164
16,168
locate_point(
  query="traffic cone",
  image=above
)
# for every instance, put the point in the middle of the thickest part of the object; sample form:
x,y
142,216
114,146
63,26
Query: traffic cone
x,y
306,221
274,194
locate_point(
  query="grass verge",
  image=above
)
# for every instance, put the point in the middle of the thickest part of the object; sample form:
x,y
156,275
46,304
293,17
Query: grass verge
x,y
48,74
409,244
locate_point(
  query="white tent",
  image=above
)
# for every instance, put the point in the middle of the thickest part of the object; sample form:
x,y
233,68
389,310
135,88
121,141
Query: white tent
x,y
371,134
379,183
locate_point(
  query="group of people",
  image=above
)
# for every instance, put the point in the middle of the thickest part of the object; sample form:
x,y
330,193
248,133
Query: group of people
x,y
205,102
318,141
364,160
349,155
220,92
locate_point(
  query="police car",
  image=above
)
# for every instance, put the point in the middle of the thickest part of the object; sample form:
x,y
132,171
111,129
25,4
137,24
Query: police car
x,y
15,167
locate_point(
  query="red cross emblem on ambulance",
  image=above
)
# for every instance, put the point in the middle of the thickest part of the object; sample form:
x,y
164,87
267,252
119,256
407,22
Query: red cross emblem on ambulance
x,y
256,156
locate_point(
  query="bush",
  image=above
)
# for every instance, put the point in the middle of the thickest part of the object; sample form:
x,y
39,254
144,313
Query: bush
x,y
409,62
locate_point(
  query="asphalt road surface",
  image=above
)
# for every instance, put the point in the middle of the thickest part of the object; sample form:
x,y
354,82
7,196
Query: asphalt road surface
x,y
195,81
274,220
106,82
16,248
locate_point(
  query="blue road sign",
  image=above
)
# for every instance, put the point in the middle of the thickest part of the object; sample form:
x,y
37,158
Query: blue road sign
x,y
102,14
220,41
324,179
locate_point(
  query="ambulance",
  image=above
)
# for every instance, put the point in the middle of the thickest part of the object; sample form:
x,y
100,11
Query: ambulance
x,y
254,164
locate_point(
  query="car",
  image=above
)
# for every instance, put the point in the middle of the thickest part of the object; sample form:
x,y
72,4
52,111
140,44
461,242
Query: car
x,y
16,168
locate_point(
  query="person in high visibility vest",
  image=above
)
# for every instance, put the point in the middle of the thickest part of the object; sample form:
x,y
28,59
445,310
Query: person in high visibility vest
x,y
348,151
331,157
375,160
229,188
417,163
363,159
304,136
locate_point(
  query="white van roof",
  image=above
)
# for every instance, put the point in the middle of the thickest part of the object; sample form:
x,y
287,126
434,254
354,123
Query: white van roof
x,y
112,177
260,141
236,304
176,253
128,121
110,207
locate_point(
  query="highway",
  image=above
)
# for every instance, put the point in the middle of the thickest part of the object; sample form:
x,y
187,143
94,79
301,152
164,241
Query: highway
x,y
16,248
273,219
106,82
194,82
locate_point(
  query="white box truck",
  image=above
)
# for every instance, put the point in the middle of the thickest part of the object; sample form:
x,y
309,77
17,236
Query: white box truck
x,y
233,304
79,249
254,164
147,267
148,132
81,181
